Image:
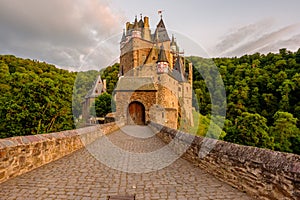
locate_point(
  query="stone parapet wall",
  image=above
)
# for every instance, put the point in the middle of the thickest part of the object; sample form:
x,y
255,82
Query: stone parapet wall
x,y
261,173
24,153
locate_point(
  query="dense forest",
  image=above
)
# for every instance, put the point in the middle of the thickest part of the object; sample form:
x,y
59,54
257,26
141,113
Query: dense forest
x,y
262,92
262,97
35,97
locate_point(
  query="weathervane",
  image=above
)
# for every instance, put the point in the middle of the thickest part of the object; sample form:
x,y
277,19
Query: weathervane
x,y
160,13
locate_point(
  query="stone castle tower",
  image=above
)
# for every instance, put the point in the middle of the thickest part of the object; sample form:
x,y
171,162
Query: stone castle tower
x,y
154,84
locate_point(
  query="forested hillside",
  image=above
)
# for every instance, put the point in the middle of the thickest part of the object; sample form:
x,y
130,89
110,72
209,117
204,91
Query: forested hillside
x,y
263,98
262,91
35,97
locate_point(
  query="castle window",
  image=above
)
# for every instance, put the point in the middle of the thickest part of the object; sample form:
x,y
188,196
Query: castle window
x,y
162,114
158,78
179,89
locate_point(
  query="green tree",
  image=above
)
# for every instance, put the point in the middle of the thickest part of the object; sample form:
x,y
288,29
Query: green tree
x,y
35,97
283,130
103,105
110,73
249,129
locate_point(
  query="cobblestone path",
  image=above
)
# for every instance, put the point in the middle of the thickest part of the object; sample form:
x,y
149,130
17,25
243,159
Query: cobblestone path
x,y
81,176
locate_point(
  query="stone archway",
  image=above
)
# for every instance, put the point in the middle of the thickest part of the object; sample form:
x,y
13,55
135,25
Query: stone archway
x,y
136,113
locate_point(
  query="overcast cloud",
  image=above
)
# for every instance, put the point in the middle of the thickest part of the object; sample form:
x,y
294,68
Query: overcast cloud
x,y
60,32
85,34
256,38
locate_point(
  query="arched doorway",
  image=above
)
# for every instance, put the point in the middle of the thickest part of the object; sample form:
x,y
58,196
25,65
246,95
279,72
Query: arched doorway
x,y
136,113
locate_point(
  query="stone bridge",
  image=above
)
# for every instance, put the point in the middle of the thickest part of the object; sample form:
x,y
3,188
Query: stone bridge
x,y
79,164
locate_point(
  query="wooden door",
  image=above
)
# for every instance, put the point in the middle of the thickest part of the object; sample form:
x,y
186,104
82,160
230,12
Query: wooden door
x,y
136,113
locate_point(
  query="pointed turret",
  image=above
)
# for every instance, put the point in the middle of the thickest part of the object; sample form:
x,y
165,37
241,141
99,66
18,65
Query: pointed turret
x,y
173,45
162,55
135,25
136,30
173,40
141,23
162,61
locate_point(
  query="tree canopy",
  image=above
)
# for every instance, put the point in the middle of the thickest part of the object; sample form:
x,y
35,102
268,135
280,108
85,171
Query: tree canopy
x,y
262,97
35,97
262,94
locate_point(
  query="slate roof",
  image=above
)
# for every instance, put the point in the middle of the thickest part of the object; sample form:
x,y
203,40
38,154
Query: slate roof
x,y
178,70
135,84
161,34
162,55
97,88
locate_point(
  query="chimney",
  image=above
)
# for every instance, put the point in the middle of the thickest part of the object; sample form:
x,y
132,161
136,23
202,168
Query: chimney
x,y
146,31
146,22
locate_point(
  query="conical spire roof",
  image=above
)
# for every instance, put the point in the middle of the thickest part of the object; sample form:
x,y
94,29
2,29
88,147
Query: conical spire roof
x,y
173,42
162,55
141,23
135,25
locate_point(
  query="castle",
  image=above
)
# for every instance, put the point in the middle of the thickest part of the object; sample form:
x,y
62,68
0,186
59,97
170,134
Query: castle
x,y
154,83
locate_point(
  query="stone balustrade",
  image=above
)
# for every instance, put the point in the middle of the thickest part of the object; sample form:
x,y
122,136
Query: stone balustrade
x,y
261,173
24,153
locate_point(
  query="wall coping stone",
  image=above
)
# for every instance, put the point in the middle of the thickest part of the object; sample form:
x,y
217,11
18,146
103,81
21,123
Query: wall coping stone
x,y
262,173
21,154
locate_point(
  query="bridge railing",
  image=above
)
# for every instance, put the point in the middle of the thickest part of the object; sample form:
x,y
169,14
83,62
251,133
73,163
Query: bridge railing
x,y
24,153
260,172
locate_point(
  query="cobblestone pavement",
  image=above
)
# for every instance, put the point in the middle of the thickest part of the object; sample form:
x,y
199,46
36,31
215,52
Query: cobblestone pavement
x,y
81,176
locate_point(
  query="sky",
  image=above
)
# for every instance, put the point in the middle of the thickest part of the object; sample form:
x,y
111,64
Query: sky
x,y
85,34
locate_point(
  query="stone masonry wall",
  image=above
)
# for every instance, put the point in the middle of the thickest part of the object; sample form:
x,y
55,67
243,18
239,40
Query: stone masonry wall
x,y
261,173
22,154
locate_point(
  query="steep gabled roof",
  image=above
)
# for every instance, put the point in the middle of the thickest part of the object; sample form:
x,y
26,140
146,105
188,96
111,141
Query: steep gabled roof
x,y
161,34
178,70
135,84
97,88
152,54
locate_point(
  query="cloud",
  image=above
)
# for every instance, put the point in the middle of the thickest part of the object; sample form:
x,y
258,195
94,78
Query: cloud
x,y
232,39
60,32
293,44
264,40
